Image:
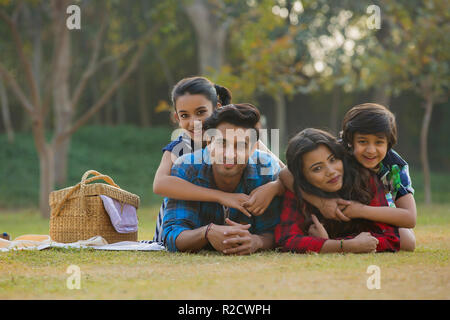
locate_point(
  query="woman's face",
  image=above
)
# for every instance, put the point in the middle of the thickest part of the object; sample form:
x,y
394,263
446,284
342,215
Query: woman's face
x,y
190,108
323,170
370,149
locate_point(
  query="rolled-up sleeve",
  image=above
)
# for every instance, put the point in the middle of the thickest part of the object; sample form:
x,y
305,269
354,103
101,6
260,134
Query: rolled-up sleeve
x,y
179,215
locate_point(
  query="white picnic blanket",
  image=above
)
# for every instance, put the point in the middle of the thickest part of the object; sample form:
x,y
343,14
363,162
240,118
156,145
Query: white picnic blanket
x,y
97,243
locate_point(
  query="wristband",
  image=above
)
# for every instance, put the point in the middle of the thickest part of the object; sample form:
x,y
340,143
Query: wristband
x,y
342,245
207,230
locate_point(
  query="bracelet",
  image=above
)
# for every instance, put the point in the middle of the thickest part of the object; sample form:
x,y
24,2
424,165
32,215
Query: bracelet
x,y
342,245
207,230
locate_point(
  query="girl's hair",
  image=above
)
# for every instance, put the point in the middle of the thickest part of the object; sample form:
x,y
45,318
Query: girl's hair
x,y
369,118
243,115
355,180
200,85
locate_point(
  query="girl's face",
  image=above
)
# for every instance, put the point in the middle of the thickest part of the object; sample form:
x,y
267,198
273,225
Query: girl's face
x,y
370,149
323,170
190,108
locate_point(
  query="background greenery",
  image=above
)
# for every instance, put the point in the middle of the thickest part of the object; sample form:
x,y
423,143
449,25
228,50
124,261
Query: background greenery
x,y
129,154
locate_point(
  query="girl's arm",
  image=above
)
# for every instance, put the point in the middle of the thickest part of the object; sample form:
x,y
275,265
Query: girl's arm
x,y
173,187
403,216
330,208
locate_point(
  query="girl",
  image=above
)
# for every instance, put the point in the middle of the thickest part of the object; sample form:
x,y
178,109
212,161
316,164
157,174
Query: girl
x,y
320,167
194,100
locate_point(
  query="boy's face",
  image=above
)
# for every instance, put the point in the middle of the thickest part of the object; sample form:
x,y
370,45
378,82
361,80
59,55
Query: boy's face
x,y
370,149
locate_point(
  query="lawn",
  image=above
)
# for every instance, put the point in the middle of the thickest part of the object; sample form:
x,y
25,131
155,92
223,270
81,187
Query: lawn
x,y
423,274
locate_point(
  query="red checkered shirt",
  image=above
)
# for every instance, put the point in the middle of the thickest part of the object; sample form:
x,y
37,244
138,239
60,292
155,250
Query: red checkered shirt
x,y
289,233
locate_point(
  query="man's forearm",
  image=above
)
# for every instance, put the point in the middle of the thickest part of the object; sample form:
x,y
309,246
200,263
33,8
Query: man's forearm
x,y
192,240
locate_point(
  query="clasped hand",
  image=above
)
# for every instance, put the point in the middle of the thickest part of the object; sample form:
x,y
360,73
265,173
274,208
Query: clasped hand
x,y
233,238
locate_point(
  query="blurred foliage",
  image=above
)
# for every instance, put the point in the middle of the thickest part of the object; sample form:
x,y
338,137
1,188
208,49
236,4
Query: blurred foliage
x,y
304,49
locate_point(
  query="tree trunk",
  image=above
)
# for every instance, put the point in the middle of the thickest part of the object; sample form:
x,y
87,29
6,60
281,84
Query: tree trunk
x,y
281,120
143,105
335,110
210,33
381,96
5,112
47,179
428,105
61,92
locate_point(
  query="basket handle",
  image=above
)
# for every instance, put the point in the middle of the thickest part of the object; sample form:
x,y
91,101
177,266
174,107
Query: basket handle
x,y
98,175
80,185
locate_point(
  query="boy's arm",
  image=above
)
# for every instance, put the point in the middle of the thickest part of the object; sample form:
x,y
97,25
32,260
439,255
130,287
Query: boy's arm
x,y
403,216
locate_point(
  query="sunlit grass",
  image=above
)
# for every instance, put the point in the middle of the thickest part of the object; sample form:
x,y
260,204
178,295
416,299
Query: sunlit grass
x,y
423,274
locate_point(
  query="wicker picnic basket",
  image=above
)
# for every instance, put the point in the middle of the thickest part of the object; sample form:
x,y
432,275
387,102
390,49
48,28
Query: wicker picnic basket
x,y
77,212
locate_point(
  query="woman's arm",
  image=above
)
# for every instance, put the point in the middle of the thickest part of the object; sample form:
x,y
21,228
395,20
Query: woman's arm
x,y
403,216
174,187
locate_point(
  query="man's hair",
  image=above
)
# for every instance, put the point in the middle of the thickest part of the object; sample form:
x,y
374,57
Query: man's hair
x,y
243,115
369,118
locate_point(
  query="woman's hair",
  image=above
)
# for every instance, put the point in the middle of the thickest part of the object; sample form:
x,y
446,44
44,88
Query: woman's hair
x,y
243,115
200,85
369,118
355,179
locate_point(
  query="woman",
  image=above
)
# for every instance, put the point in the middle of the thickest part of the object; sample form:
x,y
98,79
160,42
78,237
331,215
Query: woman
x,y
320,167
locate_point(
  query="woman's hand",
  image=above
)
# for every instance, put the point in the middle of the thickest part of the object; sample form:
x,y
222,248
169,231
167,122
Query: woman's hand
x,y
317,229
261,197
362,243
235,200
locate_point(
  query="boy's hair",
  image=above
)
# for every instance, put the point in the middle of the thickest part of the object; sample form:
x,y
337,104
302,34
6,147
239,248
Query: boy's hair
x,y
369,118
200,85
243,115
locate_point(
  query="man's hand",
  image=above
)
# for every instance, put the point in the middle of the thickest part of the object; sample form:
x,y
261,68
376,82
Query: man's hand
x,y
317,230
332,209
218,234
240,240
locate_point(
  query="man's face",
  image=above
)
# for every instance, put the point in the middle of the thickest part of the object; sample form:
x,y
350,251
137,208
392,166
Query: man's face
x,y
231,148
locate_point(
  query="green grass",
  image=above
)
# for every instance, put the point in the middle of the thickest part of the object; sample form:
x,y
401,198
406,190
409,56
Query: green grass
x,y
423,274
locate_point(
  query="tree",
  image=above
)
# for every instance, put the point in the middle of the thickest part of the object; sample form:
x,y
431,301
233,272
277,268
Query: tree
x,y
418,60
64,101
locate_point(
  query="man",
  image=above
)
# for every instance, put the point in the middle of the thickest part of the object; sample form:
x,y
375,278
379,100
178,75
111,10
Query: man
x,y
225,165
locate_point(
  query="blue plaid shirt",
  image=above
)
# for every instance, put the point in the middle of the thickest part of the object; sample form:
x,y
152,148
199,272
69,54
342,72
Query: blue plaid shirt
x,y
196,168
